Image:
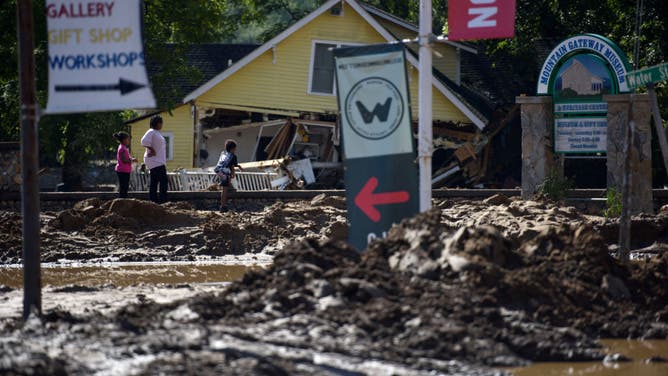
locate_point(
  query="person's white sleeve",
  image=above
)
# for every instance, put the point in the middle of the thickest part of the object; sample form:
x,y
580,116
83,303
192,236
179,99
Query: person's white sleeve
x,y
147,139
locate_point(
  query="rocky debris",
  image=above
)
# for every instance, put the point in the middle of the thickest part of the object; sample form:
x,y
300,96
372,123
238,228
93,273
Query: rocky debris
x,y
136,230
616,358
497,199
656,359
614,287
446,292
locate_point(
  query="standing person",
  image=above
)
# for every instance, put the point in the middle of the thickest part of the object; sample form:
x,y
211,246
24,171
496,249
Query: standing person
x,y
225,170
155,159
123,163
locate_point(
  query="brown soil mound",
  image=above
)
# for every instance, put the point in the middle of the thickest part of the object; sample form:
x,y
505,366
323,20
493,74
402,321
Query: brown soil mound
x,y
135,230
130,214
426,295
426,292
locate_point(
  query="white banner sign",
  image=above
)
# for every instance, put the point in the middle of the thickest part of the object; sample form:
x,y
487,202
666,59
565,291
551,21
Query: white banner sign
x,y
96,56
580,135
373,100
580,107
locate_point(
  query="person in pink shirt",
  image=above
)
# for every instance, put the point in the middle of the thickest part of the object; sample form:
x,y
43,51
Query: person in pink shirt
x,y
123,163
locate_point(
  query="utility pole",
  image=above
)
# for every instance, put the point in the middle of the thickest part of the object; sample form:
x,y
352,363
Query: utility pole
x,y
425,131
32,284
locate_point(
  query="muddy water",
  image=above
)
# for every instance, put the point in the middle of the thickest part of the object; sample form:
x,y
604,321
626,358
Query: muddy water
x,y
122,275
639,352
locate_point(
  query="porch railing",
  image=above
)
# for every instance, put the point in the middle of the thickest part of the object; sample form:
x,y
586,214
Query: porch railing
x,y
201,180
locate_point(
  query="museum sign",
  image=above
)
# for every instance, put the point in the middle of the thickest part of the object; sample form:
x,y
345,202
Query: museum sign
x,y
577,73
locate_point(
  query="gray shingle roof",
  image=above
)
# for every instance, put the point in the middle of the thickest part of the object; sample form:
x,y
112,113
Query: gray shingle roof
x,y
209,59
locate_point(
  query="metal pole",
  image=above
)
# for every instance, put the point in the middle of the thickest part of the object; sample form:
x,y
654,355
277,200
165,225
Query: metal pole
x,y
32,299
625,218
425,132
660,130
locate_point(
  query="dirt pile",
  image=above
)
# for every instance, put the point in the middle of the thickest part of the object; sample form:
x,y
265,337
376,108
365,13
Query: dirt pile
x,y
471,294
135,230
519,220
121,214
429,298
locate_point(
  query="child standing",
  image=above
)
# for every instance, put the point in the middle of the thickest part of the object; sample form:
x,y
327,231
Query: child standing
x,y
123,163
225,170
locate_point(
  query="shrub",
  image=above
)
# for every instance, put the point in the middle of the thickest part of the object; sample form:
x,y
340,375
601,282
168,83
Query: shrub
x,y
613,203
555,187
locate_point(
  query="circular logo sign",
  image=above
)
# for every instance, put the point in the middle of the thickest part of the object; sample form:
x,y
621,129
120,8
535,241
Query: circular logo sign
x,y
374,108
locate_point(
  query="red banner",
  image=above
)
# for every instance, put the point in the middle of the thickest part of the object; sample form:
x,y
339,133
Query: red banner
x,y
481,19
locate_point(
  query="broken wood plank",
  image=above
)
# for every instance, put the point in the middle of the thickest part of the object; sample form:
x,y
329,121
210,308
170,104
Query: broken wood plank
x,y
460,135
262,164
465,152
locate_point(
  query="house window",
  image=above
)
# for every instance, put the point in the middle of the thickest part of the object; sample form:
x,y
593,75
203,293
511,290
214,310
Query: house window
x,y
321,75
169,144
322,68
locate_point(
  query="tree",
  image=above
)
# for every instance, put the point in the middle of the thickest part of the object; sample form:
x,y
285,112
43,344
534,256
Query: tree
x,y
545,22
72,141
170,27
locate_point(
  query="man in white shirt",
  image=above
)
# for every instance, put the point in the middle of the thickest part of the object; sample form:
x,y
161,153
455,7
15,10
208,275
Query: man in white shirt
x,y
155,159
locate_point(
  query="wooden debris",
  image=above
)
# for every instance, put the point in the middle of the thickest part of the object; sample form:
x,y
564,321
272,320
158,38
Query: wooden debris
x,y
465,152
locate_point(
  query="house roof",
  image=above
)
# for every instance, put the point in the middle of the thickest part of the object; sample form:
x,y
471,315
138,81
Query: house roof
x,y
447,88
412,27
209,59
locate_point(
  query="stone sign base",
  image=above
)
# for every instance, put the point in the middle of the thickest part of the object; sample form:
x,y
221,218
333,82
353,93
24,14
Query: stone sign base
x,y
539,159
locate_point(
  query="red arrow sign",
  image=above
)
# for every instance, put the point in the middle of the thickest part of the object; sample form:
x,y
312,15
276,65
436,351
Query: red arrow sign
x,y
367,200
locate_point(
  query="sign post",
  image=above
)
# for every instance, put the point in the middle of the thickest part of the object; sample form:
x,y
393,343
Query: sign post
x,y
379,152
32,296
96,57
650,76
468,19
635,79
425,116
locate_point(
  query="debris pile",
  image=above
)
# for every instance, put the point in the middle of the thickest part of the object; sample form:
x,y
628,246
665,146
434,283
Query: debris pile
x,y
136,230
429,298
451,290
470,157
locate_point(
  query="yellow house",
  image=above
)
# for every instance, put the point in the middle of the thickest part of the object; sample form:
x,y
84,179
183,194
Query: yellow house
x,y
292,76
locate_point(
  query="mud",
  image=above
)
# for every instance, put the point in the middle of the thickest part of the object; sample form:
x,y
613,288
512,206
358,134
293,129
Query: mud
x,y
458,290
134,230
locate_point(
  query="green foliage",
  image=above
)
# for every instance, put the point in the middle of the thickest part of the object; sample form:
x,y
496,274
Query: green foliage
x,y
555,187
543,23
170,27
613,203
184,22
270,17
73,140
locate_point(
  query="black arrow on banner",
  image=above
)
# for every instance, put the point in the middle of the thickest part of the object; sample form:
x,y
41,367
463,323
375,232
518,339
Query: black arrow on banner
x,y
123,85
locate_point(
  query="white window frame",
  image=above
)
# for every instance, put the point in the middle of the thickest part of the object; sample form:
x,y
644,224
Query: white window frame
x,y
312,65
170,145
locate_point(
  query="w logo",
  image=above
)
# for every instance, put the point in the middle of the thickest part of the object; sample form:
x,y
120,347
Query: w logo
x,y
380,110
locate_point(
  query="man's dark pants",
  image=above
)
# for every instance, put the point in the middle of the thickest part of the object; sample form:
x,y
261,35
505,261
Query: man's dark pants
x,y
158,176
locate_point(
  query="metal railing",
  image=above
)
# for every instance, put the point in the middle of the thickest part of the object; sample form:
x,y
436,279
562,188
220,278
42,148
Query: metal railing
x,y
185,180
